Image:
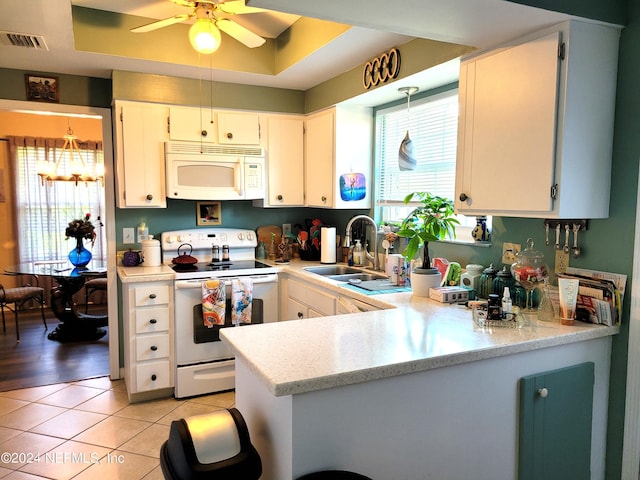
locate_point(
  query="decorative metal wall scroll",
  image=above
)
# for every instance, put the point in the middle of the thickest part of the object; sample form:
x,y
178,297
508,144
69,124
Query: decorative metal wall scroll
x,y
381,69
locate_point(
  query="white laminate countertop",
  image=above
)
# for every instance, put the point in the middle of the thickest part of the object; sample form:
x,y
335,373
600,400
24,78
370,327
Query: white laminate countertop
x,y
145,274
419,334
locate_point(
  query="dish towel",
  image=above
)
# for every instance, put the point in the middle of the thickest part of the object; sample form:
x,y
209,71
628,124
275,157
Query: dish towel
x,y
213,303
241,299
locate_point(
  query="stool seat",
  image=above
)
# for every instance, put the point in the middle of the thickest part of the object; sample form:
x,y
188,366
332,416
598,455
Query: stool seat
x,y
91,286
210,446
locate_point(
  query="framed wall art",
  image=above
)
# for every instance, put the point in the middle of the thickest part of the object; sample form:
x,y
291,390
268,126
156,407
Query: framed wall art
x,y
209,213
42,89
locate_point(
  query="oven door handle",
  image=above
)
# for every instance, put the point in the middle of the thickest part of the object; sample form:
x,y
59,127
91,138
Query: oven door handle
x,y
197,283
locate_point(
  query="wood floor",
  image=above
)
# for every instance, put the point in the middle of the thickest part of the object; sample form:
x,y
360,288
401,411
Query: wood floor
x,y
36,360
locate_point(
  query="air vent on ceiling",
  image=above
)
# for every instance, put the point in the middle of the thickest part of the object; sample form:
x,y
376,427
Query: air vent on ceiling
x,y
23,40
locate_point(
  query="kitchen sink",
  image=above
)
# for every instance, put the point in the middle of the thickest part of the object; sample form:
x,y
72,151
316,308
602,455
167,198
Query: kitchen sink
x,y
330,270
356,277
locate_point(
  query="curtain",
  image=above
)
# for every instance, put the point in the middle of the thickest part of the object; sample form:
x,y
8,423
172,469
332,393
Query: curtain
x,y
43,212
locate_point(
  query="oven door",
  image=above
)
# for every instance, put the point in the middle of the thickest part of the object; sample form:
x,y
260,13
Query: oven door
x,y
197,344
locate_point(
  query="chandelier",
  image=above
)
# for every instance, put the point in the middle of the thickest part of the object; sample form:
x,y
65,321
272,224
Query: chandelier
x,y
75,170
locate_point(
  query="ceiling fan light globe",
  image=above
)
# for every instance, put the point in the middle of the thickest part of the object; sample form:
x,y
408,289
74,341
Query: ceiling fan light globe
x,y
204,36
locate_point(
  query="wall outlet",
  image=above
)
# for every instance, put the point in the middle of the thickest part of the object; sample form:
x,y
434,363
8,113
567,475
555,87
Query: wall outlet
x,y
509,251
128,235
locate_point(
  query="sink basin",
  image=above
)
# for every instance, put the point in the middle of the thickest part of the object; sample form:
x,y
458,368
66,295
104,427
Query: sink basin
x,y
356,277
329,270
378,284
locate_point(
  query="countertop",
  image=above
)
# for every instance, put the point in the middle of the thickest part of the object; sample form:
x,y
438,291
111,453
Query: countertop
x,y
411,334
145,274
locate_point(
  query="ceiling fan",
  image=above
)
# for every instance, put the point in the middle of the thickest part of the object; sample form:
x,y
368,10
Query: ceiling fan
x,y
211,17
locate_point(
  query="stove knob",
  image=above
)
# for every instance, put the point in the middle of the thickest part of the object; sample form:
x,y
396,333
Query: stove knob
x,y
241,236
171,239
250,236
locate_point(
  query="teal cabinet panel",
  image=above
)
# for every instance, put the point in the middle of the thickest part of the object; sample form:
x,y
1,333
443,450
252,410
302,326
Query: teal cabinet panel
x,y
555,424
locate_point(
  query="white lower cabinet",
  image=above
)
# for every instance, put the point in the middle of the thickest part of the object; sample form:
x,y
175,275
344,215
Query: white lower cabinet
x,y
148,339
301,301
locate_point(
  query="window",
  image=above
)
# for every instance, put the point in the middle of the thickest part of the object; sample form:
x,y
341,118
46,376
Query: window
x,y
432,122
44,212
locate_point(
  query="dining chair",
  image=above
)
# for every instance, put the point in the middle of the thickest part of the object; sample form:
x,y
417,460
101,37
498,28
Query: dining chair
x,y
92,286
17,297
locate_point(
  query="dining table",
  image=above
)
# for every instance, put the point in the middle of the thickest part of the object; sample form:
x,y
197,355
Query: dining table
x,y
68,280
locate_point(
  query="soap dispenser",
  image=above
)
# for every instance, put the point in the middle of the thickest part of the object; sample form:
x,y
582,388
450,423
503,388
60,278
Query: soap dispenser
x,y
358,254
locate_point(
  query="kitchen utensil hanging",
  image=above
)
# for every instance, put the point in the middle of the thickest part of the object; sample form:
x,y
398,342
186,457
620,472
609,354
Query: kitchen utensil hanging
x,y
575,251
406,155
577,225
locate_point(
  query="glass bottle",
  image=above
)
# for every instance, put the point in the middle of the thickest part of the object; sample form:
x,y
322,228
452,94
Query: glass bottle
x,y
358,254
271,254
545,310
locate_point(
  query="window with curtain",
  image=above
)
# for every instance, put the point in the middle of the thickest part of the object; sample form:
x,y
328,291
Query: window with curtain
x,y
432,123
43,212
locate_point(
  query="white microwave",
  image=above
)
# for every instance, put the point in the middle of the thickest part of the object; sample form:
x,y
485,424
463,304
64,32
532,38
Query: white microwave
x,y
201,171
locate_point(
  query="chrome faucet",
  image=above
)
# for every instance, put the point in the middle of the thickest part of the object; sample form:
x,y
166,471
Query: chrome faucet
x,y
347,238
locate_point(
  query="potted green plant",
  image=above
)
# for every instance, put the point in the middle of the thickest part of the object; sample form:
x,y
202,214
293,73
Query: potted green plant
x,y
433,220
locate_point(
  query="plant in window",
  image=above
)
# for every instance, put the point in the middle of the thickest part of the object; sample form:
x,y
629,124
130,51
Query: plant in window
x,y
431,221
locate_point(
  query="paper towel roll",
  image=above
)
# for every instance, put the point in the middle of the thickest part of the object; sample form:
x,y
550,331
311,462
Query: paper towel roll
x,y
328,245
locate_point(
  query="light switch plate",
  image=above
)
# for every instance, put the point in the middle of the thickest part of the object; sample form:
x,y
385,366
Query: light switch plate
x,y
128,235
562,261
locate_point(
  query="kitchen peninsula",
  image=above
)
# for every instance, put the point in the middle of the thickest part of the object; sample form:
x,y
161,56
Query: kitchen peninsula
x,y
413,391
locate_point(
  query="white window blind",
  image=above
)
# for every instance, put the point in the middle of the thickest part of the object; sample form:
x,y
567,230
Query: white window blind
x,y
432,123
45,211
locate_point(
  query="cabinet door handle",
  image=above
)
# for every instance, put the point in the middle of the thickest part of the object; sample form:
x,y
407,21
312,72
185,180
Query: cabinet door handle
x,y
152,296
300,315
324,199
153,377
543,392
149,197
153,321
463,197
154,348
279,197
204,133
229,135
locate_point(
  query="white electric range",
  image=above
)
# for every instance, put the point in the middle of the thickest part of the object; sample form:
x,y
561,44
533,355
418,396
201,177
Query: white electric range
x,y
203,363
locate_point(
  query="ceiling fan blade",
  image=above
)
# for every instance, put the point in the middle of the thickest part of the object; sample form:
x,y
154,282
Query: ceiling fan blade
x,y
161,23
243,35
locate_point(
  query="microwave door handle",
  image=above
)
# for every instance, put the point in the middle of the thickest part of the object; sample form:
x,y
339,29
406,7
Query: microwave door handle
x,y
240,178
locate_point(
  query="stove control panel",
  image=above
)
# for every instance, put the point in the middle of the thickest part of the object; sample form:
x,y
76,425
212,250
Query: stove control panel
x,y
205,238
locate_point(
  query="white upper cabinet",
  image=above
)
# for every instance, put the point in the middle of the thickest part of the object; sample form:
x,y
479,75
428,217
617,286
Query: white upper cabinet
x,y
140,133
285,161
338,149
536,125
238,128
204,124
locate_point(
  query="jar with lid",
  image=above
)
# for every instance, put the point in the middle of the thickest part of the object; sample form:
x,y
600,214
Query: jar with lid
x,y
494,307
529,271
503,279
485,283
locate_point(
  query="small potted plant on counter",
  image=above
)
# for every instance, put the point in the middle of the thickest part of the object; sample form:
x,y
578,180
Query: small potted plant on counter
x,y
433,220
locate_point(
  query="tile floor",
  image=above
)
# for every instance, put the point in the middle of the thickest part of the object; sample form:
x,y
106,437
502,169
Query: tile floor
x,y
88,430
